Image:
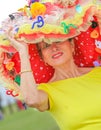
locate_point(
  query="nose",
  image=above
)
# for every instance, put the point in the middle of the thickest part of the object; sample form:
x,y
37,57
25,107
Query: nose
x,y
54,47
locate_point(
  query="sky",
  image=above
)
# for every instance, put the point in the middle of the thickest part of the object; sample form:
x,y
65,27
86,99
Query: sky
x,y
10,6
7,7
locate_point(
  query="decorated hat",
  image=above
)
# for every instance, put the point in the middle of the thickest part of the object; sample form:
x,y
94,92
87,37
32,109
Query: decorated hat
x,y
51,20
41,20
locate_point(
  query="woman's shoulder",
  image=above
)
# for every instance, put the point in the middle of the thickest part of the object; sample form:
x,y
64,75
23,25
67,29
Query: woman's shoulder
x,y
86,70
53,79
82,71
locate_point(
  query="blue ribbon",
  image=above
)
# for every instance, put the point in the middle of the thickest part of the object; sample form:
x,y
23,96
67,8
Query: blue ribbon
x,y
39,23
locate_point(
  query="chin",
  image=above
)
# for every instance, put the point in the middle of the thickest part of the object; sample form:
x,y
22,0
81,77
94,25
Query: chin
x,y
57,63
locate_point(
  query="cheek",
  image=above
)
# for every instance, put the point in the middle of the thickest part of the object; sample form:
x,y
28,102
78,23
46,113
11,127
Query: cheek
x,y
68,49
45,55
68,53
47,58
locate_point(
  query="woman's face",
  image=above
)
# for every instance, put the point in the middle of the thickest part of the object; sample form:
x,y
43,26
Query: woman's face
x,y
57,53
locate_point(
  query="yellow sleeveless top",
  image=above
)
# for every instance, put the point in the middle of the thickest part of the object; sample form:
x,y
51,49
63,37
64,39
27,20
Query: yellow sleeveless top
x,y
75,103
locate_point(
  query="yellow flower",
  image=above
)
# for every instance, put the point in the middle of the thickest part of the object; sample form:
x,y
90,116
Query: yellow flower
x,y
37,9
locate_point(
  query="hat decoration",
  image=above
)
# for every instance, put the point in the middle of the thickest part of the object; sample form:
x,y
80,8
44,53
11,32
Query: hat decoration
x,y
51,20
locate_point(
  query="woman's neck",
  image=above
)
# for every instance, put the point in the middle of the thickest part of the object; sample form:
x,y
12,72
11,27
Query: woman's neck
x,y
68,71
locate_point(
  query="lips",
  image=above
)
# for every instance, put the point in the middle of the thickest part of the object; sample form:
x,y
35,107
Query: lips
x,y
57,55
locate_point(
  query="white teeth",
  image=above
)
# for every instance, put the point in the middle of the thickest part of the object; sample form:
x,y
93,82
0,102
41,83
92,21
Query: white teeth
x,y
57,55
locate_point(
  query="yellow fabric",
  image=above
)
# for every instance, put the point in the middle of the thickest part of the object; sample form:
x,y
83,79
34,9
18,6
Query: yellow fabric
x,y
76,103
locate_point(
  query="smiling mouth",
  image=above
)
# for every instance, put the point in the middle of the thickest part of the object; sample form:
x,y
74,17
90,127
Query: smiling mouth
x,y
57,55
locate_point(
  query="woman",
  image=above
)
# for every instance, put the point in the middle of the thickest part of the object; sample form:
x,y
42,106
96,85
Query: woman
x,y
73,94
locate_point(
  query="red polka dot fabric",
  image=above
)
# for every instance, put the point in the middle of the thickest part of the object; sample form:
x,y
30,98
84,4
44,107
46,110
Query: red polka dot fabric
x,y
88,47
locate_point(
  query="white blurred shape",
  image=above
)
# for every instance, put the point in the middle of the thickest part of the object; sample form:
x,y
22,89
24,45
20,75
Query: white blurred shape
x,y
9,6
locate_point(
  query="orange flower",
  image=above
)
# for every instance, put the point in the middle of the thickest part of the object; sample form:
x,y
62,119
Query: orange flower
x,y
9,65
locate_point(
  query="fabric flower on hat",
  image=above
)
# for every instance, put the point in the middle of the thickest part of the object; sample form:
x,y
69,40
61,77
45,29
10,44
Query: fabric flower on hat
x,y
10,65
37,9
